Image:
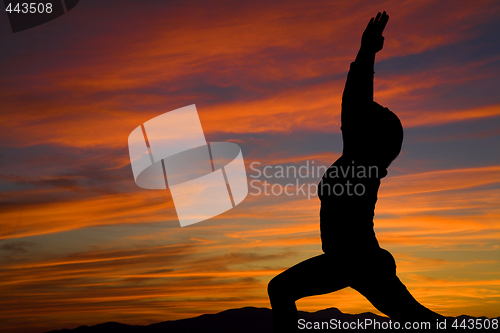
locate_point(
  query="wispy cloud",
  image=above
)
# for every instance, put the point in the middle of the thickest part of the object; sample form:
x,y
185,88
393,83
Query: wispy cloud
x,y
81,244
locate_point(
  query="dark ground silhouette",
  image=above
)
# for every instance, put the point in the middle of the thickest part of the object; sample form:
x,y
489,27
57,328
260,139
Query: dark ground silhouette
x,y
244,320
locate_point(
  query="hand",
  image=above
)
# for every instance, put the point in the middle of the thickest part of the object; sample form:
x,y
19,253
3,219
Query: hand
x,y
372,39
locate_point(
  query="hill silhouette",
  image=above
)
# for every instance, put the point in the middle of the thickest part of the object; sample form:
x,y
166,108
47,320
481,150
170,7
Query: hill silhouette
x,y
243,320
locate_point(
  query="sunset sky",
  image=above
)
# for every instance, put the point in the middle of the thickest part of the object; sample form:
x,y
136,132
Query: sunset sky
x,y
82,244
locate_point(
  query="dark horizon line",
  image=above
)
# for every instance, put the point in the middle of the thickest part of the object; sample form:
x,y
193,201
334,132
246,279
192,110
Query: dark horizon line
x,y
229,318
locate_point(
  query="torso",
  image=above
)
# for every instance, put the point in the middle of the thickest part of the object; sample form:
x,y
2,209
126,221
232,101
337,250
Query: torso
x,y
346,219
348,206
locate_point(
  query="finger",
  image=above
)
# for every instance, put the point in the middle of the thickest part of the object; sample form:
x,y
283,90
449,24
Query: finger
x,y
383,22
378,17
369,24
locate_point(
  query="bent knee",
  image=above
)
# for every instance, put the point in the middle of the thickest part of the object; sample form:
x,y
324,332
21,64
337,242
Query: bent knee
x,y
275,287
272,287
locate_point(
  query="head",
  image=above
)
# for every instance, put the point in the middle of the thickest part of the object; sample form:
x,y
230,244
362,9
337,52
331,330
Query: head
x,y
389,135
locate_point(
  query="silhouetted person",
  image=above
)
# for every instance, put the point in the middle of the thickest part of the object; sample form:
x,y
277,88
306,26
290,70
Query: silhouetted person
x,y
352,257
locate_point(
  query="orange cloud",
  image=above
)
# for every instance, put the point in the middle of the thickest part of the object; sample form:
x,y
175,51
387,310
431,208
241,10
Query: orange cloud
x,y
265,68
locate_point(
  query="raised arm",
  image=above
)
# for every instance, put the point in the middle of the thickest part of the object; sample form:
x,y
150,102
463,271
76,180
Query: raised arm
x,y
358,91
